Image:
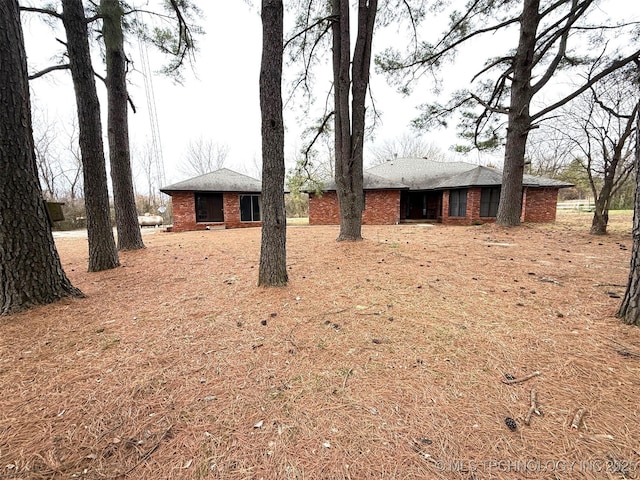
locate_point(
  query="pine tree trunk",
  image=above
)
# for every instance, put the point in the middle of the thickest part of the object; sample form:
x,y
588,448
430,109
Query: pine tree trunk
x,y
629,310
30,269
273,254
124,200
102,247
519,120
349,132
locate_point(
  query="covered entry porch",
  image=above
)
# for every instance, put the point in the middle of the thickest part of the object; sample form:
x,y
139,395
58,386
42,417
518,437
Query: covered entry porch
x,y
421,205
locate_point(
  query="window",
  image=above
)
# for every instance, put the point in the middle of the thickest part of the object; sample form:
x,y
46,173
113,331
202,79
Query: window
x,y
458,203
209,207
250,208
489,199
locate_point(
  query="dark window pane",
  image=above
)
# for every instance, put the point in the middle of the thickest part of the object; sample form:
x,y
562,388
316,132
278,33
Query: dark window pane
x,y
458,203
209,207
256,208
489,199
245,208
250,208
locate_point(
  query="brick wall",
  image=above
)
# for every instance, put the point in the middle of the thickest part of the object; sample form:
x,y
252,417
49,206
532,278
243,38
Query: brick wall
x,y
323,210
539,204
382,207
184,213
473,209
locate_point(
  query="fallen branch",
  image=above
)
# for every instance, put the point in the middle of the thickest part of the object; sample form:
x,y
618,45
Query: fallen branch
x,y
577,418
624,350
522,379
533,408
609,285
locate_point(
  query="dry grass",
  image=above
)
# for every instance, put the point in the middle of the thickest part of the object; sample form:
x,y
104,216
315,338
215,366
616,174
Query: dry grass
x,y
382,359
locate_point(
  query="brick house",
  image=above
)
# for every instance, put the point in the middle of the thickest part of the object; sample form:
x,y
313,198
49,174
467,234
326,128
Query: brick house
x,y
420,190
224,199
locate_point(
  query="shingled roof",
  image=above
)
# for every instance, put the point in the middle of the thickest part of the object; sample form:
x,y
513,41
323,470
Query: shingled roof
x,y
371,182
422,174
419,173
223,180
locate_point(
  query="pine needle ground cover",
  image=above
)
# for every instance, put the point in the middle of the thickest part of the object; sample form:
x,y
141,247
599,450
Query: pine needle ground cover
x,y
422,352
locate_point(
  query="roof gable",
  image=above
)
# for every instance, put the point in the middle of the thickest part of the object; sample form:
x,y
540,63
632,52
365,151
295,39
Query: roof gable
x,y
223,180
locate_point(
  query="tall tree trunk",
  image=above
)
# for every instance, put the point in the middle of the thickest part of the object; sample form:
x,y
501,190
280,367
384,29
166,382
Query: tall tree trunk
x,y
102,247
629,310
273,253
601,213
349,132
519,119
124,200
30,268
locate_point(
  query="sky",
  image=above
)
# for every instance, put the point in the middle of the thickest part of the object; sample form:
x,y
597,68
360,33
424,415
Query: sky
x,y
219,98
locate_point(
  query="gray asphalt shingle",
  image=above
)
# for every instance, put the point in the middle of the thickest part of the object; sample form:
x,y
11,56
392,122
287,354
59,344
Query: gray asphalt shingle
x,y
223,180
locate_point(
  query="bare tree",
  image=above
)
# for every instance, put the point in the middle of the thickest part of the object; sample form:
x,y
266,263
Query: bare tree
x,y
49,168
599,126
204,155
72,164
30,269
549,152
147,160
405,146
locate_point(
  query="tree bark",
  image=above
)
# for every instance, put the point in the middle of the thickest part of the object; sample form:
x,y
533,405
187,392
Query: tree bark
x,y
124,201
629,310
349,131
519,119
611,169
102,247
601,213
30,269
273,255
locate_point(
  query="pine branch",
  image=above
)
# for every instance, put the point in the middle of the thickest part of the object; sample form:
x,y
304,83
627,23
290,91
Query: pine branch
x,y
615,65
330,18
48,70
45,11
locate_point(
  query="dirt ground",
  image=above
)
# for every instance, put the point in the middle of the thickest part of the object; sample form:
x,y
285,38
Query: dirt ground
x,y
382,359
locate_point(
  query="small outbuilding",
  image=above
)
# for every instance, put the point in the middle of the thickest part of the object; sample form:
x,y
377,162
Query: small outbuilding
x,y
223,199
420,190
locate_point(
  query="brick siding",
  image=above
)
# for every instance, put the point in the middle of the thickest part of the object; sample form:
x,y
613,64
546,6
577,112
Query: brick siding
x,y
381,207
473,209
184,213
539,205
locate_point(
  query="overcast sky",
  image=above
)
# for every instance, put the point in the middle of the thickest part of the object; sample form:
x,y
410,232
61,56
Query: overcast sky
x,y
219,98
